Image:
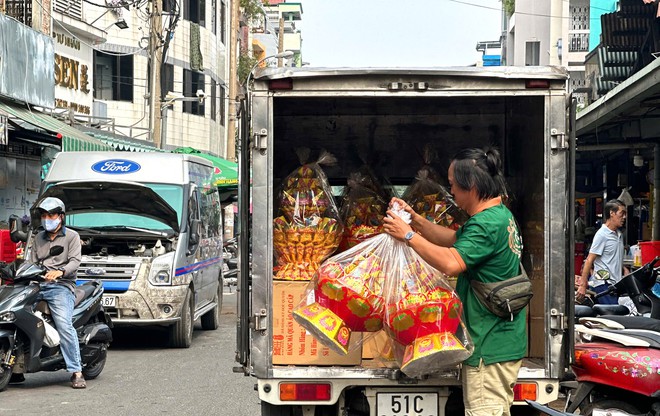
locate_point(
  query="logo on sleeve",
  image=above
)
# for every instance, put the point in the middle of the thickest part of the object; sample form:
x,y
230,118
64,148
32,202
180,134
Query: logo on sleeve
x,y
515,241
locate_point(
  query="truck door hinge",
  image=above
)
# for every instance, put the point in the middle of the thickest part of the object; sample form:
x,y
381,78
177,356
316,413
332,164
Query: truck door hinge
x,y
260,320
557,320
260,140
558,140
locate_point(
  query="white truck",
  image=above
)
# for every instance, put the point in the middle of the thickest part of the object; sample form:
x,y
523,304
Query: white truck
x,y
395,113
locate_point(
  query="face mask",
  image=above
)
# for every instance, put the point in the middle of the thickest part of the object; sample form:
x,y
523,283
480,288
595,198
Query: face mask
x,y
51,225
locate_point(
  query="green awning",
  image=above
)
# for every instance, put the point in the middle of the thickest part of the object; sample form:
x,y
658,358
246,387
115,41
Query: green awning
x,y
225,173
73,140
121,143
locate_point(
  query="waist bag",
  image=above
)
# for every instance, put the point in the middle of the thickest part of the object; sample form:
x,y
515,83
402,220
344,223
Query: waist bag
x,y
505,299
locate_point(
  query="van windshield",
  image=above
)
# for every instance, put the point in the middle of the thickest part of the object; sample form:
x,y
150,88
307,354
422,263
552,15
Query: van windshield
x,y
172,194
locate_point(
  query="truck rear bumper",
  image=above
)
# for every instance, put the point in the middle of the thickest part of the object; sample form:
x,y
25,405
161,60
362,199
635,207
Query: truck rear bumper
x,y
547,390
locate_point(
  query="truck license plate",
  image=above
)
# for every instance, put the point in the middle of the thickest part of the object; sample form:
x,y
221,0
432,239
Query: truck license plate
x,y
407,404
109,301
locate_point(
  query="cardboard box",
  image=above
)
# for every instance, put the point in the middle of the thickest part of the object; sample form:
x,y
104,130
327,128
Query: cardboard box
x,y
536,337
536,306
291,343
374,346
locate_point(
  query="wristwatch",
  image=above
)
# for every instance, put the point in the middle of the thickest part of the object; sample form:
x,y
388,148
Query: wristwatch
x,y
409,235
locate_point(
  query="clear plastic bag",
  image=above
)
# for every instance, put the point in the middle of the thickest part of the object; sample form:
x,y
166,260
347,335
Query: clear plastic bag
x,y
423,315
383,283
432,200
363,205
308,228
347,294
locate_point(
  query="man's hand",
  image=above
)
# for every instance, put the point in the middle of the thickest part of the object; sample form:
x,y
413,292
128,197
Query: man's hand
x,y
580,288
53,275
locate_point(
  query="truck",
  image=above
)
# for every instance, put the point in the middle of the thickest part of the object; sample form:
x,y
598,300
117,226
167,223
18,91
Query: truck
x,y
150,230
394,113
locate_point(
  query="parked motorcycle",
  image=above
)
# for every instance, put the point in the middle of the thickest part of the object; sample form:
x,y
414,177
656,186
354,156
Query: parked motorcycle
x,y
28,339
617,358
545,410
230,262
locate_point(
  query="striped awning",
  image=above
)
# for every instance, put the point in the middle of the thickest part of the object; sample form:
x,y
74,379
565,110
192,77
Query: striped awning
x,y
73,140
121,143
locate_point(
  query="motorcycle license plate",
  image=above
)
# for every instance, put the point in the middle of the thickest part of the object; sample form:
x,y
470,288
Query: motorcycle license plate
x,y
408,404
109,301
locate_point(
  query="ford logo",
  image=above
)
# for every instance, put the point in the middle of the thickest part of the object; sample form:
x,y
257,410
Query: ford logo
x,y
116,166
95,271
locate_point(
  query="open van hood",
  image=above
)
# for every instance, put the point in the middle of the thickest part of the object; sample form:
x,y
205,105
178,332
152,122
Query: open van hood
x,y
120,197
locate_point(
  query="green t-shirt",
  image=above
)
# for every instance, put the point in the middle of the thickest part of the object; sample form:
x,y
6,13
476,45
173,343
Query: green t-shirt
x,y
490,245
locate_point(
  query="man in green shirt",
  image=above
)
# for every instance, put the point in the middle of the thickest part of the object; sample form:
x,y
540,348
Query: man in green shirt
x,y
486,248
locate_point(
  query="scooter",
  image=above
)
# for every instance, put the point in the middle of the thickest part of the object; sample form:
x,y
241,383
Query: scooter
x,y
28,340
617,358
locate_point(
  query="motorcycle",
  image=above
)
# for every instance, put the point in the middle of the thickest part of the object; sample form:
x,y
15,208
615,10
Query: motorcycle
x,y
545,410
230,262
617,358
28,340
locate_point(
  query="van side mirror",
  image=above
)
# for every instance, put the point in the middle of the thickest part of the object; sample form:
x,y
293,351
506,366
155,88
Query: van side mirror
x,y
193,236
18,230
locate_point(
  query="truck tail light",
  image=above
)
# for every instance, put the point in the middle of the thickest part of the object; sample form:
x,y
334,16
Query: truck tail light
x,y
522,391
305,392
537,83
280,84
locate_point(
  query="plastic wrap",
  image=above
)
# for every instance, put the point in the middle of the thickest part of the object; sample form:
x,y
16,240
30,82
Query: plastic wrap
x,y
423,316
347,293
383,283
308,228
432,200
364,203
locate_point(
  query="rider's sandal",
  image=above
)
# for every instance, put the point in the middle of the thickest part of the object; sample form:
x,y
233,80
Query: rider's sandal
x,y
78,382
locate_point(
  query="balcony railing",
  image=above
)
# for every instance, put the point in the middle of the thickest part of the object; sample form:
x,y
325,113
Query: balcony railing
x,y
578,42
71,8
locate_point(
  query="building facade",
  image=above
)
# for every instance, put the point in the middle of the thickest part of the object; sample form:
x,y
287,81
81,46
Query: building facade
x,y
193,36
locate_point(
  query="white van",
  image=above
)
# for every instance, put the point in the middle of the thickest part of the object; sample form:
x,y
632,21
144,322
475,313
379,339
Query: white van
x,y
150,225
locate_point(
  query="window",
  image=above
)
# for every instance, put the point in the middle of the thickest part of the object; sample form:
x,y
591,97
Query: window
x,y
222,106
168,6
195,11
167,80
532,53
113,77
223,22
193,81
214,107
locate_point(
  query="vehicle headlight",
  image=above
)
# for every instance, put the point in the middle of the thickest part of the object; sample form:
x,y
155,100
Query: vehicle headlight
x,y
7,317
161,270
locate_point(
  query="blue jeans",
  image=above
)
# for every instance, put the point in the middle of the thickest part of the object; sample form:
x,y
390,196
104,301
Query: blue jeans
x,y
60,301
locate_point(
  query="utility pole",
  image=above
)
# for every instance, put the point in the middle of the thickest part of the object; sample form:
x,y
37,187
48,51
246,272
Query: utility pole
x,y
155,63
280,41
234,17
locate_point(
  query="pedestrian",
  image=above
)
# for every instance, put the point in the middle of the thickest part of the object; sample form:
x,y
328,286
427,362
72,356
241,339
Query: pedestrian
x,y
58,289
605,254
486,248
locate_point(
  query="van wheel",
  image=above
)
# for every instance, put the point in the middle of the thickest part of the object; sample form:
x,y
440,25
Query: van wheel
x,y
181,335
211,319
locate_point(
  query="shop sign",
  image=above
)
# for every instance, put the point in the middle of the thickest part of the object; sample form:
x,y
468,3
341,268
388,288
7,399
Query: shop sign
x,y
73,73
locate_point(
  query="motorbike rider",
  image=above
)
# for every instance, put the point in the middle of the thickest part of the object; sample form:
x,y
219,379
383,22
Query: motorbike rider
x,y
58,290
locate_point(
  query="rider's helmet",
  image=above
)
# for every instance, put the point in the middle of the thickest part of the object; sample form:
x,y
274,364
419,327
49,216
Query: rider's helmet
x,y
51,205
